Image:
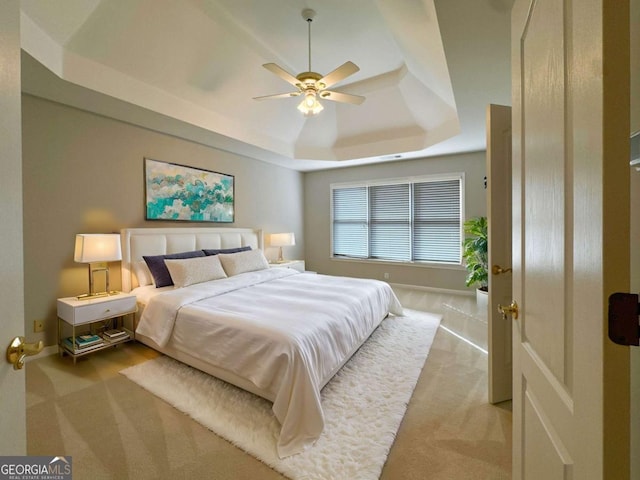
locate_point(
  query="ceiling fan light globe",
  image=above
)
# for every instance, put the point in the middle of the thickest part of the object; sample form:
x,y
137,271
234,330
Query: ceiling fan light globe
x,y
310,100
310,105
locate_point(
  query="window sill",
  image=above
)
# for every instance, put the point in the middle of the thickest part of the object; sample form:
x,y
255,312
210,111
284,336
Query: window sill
x,y
442,266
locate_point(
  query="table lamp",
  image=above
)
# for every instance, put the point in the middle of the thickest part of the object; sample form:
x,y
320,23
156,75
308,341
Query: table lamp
x,y
282,240
97,249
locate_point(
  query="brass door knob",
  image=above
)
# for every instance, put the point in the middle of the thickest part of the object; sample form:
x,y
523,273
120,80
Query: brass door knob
x,y
497,270
18,350
509,310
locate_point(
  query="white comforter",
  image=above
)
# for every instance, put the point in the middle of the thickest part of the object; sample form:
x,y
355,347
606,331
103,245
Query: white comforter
x,y
285,331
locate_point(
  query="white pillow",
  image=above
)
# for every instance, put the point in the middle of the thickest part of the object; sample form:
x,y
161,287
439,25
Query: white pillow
x,y
142,273
241,262
187,271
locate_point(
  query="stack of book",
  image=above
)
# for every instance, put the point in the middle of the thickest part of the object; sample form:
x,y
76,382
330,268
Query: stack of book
x,y
83,343
115,335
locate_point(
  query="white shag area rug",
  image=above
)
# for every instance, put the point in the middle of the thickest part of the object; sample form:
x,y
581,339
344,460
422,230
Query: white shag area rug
x,y
363,404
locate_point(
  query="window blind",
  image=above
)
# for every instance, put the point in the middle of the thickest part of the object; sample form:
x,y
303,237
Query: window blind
x,y
350,222
436,221
390,222
414,220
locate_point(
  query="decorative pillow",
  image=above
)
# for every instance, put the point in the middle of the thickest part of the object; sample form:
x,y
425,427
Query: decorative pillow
x,y
209,251
159,271
248,261
142,273
188,271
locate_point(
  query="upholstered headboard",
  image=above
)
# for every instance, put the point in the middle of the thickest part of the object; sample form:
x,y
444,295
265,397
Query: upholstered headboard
x,y
137,242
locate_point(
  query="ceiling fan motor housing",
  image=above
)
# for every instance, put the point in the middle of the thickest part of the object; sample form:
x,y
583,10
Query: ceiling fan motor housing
x,y
310,80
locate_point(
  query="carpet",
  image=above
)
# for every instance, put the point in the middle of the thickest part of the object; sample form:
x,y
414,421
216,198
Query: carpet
x,y
363,404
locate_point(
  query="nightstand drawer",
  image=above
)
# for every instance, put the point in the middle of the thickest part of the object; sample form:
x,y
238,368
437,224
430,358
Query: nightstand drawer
x,y
75,312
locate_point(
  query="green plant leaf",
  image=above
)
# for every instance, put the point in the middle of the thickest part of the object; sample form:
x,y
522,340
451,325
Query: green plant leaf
x,y
475,251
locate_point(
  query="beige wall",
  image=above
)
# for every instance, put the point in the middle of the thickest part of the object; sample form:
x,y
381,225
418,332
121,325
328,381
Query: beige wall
x,y
317,218
83,173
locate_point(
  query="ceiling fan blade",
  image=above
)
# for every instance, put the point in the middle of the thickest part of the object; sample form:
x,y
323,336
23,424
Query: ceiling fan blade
x,y
278,95
282,73
340,73
342,97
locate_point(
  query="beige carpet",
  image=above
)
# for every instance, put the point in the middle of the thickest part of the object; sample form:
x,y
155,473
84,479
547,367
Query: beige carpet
x,y
363,404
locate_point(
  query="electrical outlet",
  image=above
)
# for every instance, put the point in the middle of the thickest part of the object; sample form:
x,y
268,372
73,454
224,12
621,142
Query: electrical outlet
x,y
38,326
386,275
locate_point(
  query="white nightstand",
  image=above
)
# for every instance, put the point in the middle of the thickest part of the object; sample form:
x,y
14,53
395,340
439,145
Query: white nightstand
x,y
295,264
81,315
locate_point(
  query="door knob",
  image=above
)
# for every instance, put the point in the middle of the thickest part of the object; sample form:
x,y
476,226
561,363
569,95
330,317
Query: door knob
x,y
18,350
509,310
497,270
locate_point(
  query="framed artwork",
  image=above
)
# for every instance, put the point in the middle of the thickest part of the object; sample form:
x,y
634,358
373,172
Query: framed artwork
x,y
178,192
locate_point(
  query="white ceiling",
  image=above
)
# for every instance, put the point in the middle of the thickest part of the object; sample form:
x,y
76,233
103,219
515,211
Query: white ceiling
x,y
427,78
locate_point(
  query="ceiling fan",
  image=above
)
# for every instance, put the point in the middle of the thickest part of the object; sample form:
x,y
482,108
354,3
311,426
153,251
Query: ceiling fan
x,y
313,85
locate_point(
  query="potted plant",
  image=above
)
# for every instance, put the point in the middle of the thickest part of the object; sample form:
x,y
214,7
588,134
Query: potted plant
x,y
476,256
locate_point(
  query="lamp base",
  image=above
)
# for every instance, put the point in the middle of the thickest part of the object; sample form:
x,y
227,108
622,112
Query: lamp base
x,y
89,296
93,268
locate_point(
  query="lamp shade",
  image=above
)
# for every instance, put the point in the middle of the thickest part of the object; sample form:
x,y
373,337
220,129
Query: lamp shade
x,y
283,239
97,247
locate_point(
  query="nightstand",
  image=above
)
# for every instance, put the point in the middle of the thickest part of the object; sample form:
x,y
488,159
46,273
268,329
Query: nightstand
x,y
295,264
94,316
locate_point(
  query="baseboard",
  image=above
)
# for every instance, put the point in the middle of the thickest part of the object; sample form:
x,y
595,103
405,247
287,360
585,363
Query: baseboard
x,y
421,288
46,351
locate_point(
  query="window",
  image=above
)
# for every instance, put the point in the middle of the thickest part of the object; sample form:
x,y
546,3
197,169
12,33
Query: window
x,y
408,220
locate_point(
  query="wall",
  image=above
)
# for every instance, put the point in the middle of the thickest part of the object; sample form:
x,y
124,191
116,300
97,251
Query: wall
x,y
83,173
318,221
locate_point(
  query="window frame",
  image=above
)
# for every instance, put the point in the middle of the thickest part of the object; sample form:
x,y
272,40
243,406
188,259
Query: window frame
x,y
459,176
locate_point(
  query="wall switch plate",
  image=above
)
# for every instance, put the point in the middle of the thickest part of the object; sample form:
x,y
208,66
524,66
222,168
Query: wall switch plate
x,y
38,326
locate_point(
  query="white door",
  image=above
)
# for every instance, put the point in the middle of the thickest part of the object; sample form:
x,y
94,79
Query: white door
x,y
570,237
499,228
12,383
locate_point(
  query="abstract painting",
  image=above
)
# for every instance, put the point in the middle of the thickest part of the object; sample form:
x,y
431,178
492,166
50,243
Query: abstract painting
x,y
179,192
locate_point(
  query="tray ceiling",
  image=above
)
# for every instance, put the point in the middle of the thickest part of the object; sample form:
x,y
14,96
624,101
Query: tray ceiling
x,y
200,62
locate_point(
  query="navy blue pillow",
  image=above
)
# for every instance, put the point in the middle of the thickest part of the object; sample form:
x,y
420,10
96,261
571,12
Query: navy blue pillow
x,y
159,270
209,251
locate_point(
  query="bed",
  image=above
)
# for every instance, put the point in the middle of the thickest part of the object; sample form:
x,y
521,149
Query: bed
x,y
276,332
